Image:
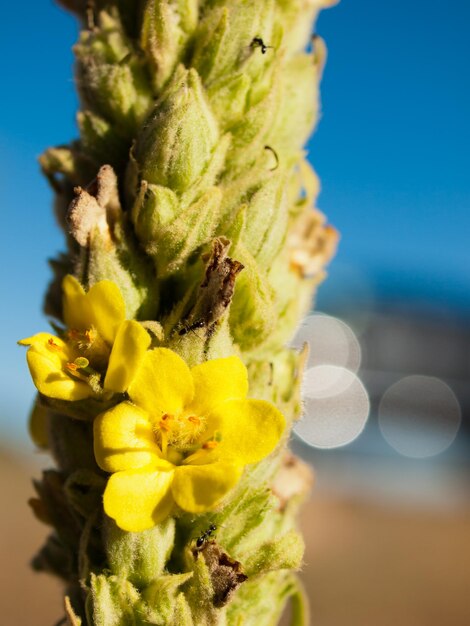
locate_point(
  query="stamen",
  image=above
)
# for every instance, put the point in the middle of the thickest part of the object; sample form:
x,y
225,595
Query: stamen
x,y
52,345
82,362
164,423
210,445
194,420
72,367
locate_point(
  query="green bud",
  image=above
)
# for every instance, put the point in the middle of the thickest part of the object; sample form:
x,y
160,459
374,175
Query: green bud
x,y
100,139
250,133
177,142
139,557
112,601
224,39
283,553
174,242
162,601
298,104
228,98
252,315
266,220
166,27
111,77
108,250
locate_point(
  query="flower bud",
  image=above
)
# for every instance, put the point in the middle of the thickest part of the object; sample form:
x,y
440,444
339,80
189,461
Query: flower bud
x,y
171,241
177,142
119,92
112,601
298,110
224,39
252,313
166,27
139,557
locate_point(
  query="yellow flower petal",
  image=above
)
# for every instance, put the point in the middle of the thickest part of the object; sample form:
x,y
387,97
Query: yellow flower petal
x,y
198,488
123,439
47,357
250,429
76,308
218,380
138,499
129,347
163,383
107,307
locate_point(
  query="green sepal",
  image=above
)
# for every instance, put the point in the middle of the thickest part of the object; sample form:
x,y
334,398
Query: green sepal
x,y
111,78
284,553
163,604
139,557
177,142
168,234
111,602
252,314
223,40
166,27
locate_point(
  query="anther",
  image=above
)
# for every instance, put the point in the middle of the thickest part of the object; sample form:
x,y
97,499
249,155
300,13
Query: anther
x,y
53,345
210,445
194,420
82,362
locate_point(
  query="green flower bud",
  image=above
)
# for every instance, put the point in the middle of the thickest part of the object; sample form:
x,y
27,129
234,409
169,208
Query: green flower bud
x,y
177,142
224,38
298,105
100,139
108,250
228,98
172,606
252,315
111,601
166,27
111,77
283,553
139,557
170,243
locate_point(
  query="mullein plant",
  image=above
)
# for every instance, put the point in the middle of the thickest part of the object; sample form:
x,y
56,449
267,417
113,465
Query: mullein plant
x,y
166,392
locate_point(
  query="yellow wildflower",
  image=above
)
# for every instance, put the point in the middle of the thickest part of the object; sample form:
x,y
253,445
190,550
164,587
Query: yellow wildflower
x,y
99,342
184,438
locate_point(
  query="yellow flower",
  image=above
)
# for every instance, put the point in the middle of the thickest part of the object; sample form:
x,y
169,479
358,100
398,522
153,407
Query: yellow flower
x,y
185,438
99,350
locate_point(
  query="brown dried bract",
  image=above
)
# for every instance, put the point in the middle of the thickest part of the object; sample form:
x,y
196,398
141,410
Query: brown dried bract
x,y
216,290
226,573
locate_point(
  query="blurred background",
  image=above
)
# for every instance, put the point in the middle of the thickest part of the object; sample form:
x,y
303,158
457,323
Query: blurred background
x,y
388,524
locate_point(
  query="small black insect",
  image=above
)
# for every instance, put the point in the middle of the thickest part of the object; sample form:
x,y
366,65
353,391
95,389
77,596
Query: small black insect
x,y
188,329
259,43
201,540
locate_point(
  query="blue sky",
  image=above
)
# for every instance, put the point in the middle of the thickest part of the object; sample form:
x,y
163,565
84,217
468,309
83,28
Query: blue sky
x,y
392,151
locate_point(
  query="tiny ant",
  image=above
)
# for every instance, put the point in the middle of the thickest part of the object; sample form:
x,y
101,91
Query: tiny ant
x,y
259,43
200,541
195,326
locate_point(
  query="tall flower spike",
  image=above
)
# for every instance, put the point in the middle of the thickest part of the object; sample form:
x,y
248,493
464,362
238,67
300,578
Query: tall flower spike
x,y
193,249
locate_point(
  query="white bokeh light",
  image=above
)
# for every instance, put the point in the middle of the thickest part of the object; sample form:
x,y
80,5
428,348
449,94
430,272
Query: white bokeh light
x,y
336,407
331,342
419,416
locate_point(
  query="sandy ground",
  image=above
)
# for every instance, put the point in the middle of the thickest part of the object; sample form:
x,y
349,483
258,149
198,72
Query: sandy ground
x,y
365,565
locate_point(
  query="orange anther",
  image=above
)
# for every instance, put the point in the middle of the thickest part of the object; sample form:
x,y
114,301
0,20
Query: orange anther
x,y
210,445
194,420
71,366
53,345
